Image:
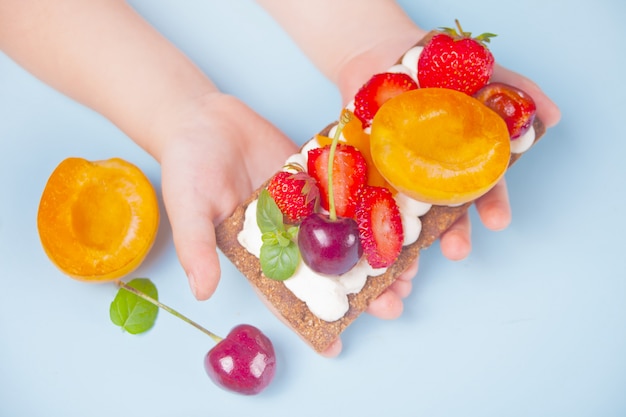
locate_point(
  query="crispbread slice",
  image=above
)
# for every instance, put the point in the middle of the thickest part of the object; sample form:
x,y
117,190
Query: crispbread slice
x,y
318,333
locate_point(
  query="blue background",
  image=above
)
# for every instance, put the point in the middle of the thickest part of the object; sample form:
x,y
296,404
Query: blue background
x,y
533,323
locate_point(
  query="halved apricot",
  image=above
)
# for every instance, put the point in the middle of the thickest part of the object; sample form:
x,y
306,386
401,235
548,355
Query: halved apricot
x,y
97,220
439,146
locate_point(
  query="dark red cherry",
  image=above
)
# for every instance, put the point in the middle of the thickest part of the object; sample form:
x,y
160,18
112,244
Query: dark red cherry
x,y
516,107
243,362
329,246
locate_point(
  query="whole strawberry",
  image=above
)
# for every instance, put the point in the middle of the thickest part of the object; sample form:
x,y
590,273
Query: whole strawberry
x,y
295,194
456,61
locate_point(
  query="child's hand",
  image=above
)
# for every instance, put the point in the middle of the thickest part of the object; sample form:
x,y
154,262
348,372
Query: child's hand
x,y
217,155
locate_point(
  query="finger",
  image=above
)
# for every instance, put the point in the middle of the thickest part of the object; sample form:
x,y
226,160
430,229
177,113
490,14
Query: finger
x,y
494,208
193,231
197,255
387,306
410,272
333,350
194,239
403,285
402,288
547,110
456,243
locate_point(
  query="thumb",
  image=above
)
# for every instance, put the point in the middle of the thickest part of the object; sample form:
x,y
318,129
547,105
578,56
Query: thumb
x,y
193,233
194,239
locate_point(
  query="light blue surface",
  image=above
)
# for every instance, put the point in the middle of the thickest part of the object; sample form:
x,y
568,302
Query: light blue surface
x,y
533,323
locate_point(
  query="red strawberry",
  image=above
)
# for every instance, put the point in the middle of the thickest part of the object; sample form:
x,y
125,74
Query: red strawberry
x,y
294,194
380,226
456,61
379,89
349,176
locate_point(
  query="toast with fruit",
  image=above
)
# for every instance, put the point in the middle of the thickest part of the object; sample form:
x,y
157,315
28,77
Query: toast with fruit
x,y
348,214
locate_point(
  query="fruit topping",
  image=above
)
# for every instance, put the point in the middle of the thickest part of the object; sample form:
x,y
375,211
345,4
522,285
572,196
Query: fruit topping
x,y
516,107
97,220
453,153
455,60
329,246
243,362
295,194
379,89
380,226
349,175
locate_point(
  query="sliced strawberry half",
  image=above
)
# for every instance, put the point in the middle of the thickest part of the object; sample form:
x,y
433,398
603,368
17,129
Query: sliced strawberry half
x,y
349,176
380,226
379,89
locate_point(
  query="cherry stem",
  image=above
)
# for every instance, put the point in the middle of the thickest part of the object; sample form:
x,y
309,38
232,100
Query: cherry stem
x,y
170,310
345,118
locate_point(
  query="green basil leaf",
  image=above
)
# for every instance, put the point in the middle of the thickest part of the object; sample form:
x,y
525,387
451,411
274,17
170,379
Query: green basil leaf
x,y
279,262
131,312
268,215
283,239
269,238
292,232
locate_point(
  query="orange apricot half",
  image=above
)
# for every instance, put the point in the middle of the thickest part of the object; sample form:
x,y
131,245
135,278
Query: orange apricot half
x,y
439,146
97,220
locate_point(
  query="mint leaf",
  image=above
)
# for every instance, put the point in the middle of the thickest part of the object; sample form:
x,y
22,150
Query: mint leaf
x,y
279,253
131,312
279,262
268,215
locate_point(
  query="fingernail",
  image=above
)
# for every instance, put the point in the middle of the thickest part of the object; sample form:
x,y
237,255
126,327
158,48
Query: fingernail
x,y
192,284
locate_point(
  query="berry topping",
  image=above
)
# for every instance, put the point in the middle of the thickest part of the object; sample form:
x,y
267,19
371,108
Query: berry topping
x,y
243,362
456,61
379,89
380,226
348,177
516,107
294,194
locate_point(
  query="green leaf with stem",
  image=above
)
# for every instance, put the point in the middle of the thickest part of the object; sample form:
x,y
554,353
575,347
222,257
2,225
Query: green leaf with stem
x,y
133,290
134,314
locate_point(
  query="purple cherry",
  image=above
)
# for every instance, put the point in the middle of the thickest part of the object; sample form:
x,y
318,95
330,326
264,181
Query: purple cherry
x,y
329,246
243,362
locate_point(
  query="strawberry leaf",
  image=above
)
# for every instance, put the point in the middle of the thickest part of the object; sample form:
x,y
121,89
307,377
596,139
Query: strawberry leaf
x,y
131,312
